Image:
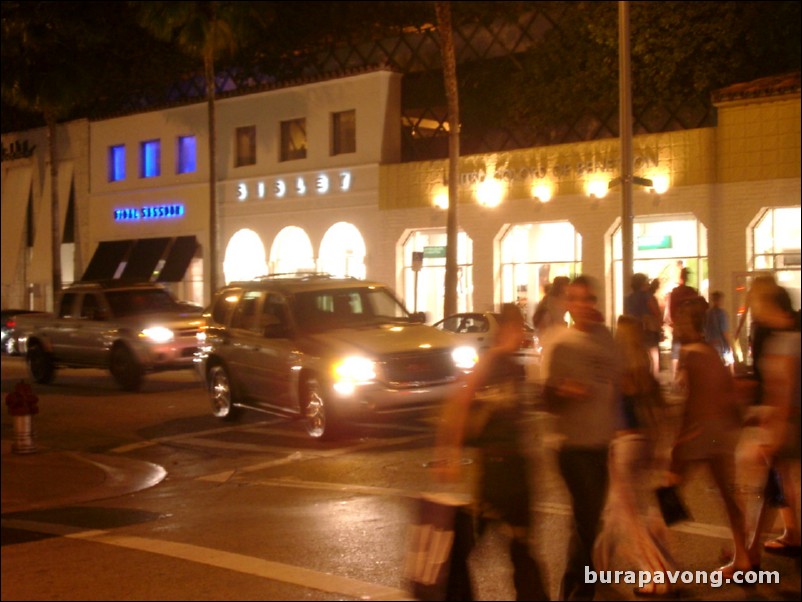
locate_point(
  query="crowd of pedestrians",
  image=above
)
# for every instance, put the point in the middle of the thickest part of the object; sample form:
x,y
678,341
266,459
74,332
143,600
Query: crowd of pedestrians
x,y
601,386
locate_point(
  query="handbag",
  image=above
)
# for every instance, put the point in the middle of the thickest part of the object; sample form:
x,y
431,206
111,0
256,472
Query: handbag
x,y
438,544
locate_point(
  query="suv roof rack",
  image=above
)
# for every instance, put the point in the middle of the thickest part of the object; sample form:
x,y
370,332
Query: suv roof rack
x,y
302,276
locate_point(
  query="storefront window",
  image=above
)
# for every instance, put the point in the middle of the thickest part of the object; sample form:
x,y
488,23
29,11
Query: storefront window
x,y
342,251
245,257
776,248
661,248
424,289
532,255
291,252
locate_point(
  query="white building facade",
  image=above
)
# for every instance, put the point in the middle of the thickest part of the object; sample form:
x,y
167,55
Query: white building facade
x,y
310,179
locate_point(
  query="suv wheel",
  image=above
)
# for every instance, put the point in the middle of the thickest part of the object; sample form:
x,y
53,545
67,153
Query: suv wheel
x,y
40,364
125,369
221,394
319,417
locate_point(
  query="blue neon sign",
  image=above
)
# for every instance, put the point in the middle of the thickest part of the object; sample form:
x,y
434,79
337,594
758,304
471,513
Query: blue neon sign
x,y
149,212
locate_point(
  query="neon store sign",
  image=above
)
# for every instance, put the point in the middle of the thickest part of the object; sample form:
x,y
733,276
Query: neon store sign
x,y
149,212
280,188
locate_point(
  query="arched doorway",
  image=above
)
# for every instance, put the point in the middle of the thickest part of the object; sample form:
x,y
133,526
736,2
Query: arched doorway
x,y
291,252
245,257
342,251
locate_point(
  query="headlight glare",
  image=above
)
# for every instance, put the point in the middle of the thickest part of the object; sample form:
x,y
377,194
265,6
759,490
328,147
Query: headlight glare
x,y
158,334
354,370
465,357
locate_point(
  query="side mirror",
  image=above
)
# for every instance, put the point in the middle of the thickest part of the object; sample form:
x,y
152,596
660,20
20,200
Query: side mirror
x,y
419,317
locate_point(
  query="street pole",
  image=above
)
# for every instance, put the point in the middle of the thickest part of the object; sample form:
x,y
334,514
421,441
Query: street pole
x,y
625,119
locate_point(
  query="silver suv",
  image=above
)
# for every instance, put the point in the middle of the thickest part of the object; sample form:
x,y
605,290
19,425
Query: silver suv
x,y
324,350
130,329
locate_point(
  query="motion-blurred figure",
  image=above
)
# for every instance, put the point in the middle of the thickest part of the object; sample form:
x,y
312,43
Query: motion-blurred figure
x,y
717,330
711,423
582,390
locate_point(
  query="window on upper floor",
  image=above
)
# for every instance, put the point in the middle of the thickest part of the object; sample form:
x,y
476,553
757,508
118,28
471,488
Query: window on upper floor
x,y
117,163
343,132
187,155
293,139
246,146
150,159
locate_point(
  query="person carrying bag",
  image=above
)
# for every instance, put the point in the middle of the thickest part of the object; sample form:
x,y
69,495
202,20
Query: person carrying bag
x,y
488,414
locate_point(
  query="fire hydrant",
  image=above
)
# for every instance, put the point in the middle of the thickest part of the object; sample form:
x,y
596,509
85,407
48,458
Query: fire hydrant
x,y
23,404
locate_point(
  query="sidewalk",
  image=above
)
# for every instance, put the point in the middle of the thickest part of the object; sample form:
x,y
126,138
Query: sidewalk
x,y
48,478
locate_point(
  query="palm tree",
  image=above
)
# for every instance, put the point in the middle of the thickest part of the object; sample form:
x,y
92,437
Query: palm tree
x,y
37,78
443,11
204,30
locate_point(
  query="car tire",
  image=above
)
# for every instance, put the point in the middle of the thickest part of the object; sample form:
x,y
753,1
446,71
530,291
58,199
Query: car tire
x,y
221,393
40,364
320,418
125,369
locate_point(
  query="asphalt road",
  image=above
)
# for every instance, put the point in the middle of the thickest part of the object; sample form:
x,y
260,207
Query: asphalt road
x,y
256,510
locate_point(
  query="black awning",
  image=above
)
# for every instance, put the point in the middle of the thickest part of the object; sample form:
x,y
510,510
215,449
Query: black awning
x,y
143,258
177,261
107,258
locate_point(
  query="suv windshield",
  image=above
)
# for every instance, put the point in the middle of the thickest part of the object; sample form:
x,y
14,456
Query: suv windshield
x,y
137,302
348,307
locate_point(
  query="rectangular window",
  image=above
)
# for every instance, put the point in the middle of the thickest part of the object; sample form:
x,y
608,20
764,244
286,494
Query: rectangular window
x,y
343,132
293,139
117,163
150,160
246,146
187,155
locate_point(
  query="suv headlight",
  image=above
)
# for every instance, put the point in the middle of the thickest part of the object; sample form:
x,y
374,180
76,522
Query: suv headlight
x,y
465,357
351,371
158,334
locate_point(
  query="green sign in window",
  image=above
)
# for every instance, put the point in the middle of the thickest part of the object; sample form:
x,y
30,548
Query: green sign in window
x,y
434,252
650,243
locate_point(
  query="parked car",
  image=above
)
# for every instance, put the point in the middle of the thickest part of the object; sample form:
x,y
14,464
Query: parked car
x,y
478,329
324,350
9,329
130,329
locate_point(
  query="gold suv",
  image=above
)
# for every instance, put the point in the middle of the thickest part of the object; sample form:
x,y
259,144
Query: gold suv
x,y
324,350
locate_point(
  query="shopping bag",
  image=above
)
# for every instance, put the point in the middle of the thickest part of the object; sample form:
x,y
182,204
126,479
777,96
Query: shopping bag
x,y
439,529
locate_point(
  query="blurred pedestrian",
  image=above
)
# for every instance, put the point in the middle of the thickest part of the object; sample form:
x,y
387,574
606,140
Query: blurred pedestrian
x,y
711,423
717,330
632,531
488,413
780,369
551,309
642,304
678,294
762,284
582,390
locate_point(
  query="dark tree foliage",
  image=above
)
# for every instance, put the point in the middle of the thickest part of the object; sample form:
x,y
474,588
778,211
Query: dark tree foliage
x,y
680,50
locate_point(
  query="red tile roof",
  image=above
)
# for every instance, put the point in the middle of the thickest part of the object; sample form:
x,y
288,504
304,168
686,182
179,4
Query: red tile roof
x,y
775,85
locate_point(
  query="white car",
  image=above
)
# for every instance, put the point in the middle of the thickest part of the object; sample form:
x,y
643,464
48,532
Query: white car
x,y
479,329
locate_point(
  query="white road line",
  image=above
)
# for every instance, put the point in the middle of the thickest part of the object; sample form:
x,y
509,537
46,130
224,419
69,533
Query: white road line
x,y
151,442
240,563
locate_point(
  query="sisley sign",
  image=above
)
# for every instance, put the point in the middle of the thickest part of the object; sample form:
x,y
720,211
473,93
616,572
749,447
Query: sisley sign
x,y
295,186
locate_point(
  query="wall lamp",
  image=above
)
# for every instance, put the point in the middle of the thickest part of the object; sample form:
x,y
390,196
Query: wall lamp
x,y
489,192
597,189
542,191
